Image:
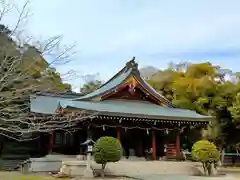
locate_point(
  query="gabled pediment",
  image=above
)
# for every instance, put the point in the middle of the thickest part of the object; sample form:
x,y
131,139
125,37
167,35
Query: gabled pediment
x,y
128,79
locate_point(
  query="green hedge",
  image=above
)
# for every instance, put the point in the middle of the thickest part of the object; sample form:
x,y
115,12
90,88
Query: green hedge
x,y
107,149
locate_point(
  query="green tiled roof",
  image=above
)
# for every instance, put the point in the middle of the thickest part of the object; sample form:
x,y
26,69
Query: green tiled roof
x,y
109,86
45,104
140,109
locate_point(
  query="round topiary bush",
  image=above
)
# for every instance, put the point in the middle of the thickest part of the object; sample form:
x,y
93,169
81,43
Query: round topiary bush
x,y
206,153
107,149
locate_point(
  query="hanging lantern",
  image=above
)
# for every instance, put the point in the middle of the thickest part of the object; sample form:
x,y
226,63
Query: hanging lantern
x,y
155,122
166,131
120,121
125,129
147,132
104,128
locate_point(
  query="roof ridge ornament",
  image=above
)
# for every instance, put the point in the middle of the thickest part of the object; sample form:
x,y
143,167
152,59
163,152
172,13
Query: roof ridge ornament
x,y
132,65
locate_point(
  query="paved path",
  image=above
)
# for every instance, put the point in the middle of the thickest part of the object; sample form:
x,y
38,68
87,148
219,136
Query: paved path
x,y
155,170
180,177
149,167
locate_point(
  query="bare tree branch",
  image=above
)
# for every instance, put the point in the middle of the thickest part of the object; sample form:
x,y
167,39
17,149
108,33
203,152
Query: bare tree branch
x,y
5,8
23,72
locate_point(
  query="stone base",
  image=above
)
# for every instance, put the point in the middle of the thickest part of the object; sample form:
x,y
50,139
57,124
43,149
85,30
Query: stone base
x,y
88,173
73,168
81,157
49,163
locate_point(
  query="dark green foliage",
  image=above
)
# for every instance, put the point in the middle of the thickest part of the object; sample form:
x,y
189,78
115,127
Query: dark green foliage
x,y
107,149
90,86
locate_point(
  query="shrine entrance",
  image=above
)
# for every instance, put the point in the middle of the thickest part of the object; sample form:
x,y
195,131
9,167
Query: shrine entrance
x,y
137,142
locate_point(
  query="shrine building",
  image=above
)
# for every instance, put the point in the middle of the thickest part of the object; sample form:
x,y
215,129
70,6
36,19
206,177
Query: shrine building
x,y
125,107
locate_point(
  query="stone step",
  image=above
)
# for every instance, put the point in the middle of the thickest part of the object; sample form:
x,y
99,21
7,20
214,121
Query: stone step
x,y
10,165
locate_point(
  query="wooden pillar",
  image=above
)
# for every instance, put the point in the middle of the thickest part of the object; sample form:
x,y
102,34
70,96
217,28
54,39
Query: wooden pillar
x,y
140,147
119,133
51,141
178,145
153,145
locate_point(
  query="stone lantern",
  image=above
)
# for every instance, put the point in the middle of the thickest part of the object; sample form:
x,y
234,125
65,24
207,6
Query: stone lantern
x,y
89,143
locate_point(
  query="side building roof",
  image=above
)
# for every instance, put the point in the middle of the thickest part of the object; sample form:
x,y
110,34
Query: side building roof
x,y
49,105
67,94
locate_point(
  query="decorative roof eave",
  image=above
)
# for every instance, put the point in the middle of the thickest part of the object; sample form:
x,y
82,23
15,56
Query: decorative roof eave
x,y
128,115
133,66
142,83
64,95
135,72
145,87
83,98
132,80
117,74
149,89
121,119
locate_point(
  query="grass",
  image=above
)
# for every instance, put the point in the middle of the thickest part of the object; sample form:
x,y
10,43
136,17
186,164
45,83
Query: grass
x,y
19,176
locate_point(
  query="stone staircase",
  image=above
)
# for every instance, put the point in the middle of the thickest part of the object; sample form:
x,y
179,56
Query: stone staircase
x,y
171,150
10,164
14,153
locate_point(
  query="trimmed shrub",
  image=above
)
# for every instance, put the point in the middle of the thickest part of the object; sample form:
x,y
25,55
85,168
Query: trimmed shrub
x,y
205,152
107,149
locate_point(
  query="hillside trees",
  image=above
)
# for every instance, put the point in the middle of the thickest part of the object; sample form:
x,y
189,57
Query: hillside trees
x,y
204,88
91,83
90,86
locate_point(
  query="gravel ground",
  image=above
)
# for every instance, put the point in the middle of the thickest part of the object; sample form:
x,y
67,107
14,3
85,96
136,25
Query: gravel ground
x,y
144,170
19,176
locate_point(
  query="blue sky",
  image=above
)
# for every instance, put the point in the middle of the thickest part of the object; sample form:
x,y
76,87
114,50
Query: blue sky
x,y
108,33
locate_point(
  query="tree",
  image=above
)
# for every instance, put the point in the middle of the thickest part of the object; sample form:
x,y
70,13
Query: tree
x,y
235,109
206,153
107,149
23,72
90,86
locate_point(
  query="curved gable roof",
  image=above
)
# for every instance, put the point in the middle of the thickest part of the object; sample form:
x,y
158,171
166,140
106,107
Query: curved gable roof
x,y
131,68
